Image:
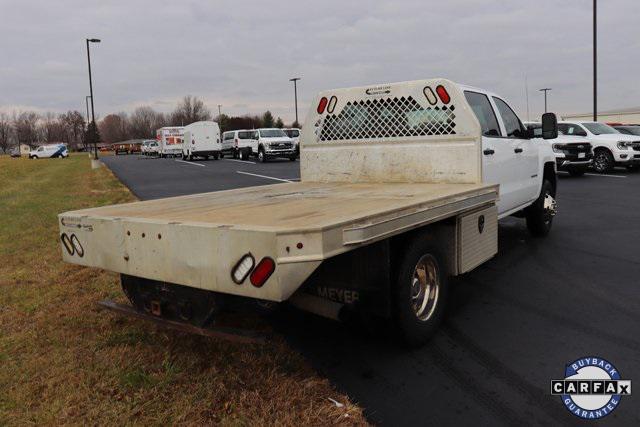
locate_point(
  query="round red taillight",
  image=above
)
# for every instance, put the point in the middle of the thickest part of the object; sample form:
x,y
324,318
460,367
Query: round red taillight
x,y
322,104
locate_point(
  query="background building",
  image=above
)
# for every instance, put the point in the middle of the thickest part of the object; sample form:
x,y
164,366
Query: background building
x,y
625,116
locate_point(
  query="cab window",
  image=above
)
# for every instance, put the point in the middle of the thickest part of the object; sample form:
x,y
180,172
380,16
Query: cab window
x,y
512,124
571,129
484,112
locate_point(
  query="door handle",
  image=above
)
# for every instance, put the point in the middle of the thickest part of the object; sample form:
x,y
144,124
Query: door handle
x,y
517,150
488,152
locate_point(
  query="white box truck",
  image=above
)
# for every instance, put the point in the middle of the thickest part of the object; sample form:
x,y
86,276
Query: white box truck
x,y
402,186
202,139
170,141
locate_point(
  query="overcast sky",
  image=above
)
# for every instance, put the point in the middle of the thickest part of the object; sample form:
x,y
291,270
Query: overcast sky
x,y
241,54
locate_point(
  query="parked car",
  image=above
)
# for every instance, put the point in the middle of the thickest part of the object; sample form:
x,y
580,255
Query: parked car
x,y
273,142
628,129
294,134
574,154
153,148
144,147
15,153
610,147
202,139
120,148
49,151
244,143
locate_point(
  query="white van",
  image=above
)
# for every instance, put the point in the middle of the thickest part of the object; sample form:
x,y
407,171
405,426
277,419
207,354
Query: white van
x,y
202,139
244,142
49,151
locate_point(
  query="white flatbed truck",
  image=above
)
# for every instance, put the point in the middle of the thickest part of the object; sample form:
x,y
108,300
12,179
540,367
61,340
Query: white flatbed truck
x,y
393,199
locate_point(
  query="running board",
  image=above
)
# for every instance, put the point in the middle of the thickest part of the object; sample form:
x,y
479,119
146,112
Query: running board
x,y
229,334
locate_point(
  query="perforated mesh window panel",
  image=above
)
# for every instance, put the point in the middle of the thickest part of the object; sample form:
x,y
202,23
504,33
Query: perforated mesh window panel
x,y
385,118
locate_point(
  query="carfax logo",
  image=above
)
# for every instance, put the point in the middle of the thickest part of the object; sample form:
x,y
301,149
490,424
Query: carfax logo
x,y
591,388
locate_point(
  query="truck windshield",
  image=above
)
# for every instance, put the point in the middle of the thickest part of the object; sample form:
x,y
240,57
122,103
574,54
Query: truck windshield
x,y
271,133
599,128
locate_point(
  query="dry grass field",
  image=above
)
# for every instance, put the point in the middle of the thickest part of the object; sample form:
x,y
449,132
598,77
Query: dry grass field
x,y
64,361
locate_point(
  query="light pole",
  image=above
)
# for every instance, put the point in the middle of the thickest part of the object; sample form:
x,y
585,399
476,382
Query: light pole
x,y
93,114
86,101
595,63
295,95
545,90
219,110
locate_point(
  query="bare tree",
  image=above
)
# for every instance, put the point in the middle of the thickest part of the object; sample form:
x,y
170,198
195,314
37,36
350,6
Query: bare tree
x,y
51,129
145,121
25,125
5,132
73,127
190,109
114,128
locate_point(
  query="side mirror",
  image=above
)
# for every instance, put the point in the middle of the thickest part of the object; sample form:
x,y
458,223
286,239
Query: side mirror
x,y
549,126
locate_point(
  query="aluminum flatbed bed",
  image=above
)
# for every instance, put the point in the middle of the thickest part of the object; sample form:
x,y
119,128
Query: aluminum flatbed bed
x,y
196,240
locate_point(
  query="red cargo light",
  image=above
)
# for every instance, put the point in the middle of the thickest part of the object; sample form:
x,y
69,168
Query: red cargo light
x,y
322,104
443,94
262,272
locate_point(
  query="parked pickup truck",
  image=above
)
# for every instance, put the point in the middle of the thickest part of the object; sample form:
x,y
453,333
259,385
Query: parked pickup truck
x,y
573,153
610,147
402,186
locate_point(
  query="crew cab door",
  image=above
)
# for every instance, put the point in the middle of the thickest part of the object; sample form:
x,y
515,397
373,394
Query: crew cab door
x,y
499,164
525,150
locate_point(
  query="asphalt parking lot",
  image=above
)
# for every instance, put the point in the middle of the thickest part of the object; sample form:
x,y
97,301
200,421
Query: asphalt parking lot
x,y
512,323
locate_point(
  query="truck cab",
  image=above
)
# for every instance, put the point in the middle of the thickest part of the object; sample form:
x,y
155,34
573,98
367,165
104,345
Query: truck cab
x,y
273,142
511,156
610,147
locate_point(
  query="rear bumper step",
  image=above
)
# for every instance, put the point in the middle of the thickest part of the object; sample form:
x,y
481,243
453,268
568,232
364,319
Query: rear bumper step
x,y
230,334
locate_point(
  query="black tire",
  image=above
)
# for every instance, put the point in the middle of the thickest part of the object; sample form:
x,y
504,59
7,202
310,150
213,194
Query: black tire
x,y
412,329
216,156
603,161
540,219
576,171
293,157
262,157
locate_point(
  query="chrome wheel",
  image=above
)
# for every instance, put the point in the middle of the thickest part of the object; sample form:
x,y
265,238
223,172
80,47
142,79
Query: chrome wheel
x,y
550,207
425,287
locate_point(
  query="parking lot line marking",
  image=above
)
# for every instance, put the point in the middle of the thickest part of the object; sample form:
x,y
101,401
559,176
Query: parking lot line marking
x,y
264,176
189,163
242,161
604,174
